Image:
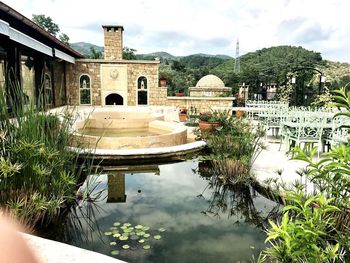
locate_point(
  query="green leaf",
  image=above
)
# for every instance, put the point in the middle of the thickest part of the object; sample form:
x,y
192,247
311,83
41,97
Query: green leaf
x,y
126,246
146,247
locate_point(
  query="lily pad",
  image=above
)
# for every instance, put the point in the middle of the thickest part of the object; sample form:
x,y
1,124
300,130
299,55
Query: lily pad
x,y
108,233
142,241
146,235
113,228
115,252
134,237
116,235
127,224
116,224
139,227
145,228
125,246
123,238
113,243
146,247
157,237
140,233
128,230
161,229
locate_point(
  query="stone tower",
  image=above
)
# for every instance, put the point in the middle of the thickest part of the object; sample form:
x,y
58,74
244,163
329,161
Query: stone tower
x,y
113,38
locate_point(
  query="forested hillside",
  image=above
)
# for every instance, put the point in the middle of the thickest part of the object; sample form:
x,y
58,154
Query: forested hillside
x,y
268,65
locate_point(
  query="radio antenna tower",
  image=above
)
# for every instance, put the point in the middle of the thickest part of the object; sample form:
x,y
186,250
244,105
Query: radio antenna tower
x,y
237,60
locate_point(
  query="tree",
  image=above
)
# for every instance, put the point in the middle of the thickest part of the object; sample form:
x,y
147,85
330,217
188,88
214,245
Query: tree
x,y
64,38
94,54
46,23
129,53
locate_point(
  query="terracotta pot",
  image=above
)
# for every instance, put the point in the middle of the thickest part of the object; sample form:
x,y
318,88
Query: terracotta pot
x,y
208,126
182,116
162,82
240,113
179,94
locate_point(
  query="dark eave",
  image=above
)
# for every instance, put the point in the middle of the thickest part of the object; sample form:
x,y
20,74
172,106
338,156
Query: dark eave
x,y
28,27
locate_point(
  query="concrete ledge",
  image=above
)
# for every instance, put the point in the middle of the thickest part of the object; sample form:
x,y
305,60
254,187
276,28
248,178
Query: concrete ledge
x,y
48,251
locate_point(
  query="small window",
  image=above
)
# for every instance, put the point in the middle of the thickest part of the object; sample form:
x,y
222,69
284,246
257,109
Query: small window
x,y
142,94
48,90
85,90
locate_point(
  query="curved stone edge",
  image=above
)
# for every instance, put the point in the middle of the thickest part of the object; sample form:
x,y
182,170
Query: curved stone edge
x,y
49,251
143,152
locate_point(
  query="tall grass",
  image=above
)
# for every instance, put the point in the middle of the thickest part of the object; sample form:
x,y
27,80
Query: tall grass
x,y
234,147
37,172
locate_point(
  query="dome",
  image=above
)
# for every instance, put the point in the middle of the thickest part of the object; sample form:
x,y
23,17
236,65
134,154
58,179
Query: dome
x,y
210,81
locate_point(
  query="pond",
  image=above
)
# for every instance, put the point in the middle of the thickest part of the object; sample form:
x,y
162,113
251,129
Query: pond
x,y
181,215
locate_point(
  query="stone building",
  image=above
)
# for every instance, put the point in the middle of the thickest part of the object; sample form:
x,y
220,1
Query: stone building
x,y
49,71
210,86
112,80
33,60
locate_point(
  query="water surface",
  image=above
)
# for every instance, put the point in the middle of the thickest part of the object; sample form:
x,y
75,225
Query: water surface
x,y
204,222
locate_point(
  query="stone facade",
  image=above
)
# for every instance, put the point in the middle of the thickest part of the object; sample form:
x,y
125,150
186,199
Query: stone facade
x,y
209,92
116,81
199,104
134,69
113,39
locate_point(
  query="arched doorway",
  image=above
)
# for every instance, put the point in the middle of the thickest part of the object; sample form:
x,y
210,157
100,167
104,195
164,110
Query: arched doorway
x,y
114,99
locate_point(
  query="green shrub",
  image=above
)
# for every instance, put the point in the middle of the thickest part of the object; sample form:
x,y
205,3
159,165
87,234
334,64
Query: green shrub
x,y
37,172
317,228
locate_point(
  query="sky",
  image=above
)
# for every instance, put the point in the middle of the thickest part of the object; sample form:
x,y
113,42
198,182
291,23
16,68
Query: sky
x,y
184,27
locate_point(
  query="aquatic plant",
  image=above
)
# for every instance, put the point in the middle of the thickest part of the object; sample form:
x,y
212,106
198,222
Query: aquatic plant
x,y
234,146
37,172
126,236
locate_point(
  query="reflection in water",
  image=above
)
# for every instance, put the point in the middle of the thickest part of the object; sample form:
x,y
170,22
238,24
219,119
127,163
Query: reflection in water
x,y
116,180
171,201
232,199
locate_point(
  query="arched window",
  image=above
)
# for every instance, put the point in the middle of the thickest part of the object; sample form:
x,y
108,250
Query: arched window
x,y
142,98
114,99
85,90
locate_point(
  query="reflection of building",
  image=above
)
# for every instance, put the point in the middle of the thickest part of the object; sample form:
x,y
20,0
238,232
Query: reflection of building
x,y
116,187
116,180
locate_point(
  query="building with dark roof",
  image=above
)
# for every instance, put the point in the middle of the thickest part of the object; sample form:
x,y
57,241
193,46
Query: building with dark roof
x,y
33,59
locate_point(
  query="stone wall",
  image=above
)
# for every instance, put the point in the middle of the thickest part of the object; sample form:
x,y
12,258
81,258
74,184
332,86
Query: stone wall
x,y
74,71
150,71
208,92
135,69
200,104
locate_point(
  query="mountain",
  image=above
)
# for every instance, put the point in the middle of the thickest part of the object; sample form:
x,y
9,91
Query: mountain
x,y
213,56
85,48
160,54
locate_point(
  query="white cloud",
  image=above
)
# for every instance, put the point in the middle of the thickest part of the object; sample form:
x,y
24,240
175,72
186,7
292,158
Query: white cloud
x,y
184,27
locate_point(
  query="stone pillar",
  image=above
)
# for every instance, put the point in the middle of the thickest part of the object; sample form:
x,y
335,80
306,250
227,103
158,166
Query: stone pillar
x,y
113,38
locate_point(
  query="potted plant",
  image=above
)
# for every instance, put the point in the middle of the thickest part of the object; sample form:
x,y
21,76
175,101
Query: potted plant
x,y
162,81
240,103
183,114
180,93
208,121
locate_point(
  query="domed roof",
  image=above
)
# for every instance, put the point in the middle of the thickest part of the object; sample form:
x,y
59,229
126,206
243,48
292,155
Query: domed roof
x,y
210,81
